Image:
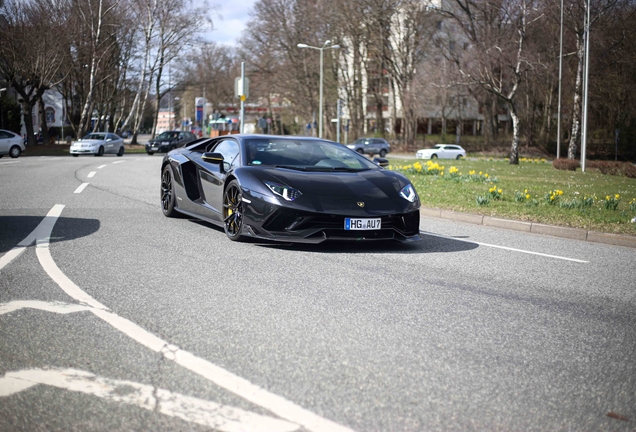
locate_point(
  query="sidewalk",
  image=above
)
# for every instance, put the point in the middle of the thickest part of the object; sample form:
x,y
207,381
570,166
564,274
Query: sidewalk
x,y
532,227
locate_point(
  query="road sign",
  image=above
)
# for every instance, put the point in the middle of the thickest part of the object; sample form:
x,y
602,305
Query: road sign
x,y
238,87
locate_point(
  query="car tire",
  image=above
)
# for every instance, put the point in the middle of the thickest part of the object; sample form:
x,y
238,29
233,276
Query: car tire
x,y
233,211
150,153
100,152
168,198
361,151
459,157
15,152
121,151
382,153
75,155
434,156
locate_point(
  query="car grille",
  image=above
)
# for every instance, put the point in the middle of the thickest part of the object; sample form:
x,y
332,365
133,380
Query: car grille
x,y
289,221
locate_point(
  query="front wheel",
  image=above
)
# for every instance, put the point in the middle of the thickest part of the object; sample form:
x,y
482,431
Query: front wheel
x,y
434,156
121,151
233,211
360,151
75,155
382,153
100,152
150,153
459,157
15,152
167,193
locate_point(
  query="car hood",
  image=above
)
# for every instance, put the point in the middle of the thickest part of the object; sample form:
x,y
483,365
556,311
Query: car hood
x,y
91,141
162,140
427,150
341,192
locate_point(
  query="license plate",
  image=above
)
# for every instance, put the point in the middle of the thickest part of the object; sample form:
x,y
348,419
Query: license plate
x,y
362,224
155,148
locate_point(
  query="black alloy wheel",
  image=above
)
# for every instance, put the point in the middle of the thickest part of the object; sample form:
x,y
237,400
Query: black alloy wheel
x,y
100,152
233,211
167,193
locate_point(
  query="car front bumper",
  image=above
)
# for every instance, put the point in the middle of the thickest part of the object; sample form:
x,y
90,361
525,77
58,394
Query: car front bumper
x,y
80,151
157,148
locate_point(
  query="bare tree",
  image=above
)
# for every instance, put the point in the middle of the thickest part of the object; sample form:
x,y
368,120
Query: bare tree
x,y
175,21
31,27
410,36
575,12
92,16
496,32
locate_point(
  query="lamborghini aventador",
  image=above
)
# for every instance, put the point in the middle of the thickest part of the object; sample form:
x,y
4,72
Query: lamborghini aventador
x,y
290,189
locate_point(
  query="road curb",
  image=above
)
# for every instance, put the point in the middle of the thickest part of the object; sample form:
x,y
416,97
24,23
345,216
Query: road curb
x,y
532,227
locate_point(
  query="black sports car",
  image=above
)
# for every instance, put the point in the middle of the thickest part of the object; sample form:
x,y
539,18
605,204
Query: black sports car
x,y
169,140
291,189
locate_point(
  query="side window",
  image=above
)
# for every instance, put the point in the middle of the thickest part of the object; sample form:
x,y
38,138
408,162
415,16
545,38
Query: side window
x,y
229,149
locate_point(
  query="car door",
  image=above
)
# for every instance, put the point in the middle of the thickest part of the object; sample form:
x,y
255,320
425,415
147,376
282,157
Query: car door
x,y
452,152
5,142
212,175
109,143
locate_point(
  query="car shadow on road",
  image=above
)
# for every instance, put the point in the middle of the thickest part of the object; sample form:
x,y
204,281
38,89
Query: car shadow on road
x,y
14,229
428,244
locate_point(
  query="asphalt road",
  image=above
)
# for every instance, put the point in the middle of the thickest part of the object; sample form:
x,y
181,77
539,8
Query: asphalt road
x,y
113,317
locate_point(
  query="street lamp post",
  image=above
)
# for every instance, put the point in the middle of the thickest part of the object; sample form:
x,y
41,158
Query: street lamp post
x,y
326,45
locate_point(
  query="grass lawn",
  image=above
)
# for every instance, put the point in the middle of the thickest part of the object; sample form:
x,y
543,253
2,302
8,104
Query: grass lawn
x,y
531,191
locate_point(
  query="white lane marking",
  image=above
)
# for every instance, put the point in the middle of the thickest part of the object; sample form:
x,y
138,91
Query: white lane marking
x,y
101,166
505,248
8,162
55,307
80,188
44,228
115,163
91,174
225,379
46,260
194,410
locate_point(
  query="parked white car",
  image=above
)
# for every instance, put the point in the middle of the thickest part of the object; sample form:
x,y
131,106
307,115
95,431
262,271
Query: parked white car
x,y
98,144
442,151
11,144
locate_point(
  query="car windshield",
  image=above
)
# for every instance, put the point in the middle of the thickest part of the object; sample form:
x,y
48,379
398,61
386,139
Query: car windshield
x,y
95,136
168,135
306,155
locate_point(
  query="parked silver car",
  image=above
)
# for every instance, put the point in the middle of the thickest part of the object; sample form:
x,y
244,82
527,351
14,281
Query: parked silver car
x,y
11,144
371,146
98,144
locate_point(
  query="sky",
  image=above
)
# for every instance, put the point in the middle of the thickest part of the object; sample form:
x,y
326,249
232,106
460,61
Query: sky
x,y
229,19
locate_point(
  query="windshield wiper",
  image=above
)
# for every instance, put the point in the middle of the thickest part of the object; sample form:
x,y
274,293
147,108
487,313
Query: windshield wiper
x,y
291,167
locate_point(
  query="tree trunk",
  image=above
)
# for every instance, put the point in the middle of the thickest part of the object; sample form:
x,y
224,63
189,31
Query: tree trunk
x,y
514,148
43,126
576,110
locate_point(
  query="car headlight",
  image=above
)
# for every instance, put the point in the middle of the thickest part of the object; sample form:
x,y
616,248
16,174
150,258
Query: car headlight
x,y
408,193
286,192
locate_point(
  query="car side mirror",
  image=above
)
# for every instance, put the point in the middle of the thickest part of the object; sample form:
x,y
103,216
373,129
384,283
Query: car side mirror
x,y
108,140
383,162
215,158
